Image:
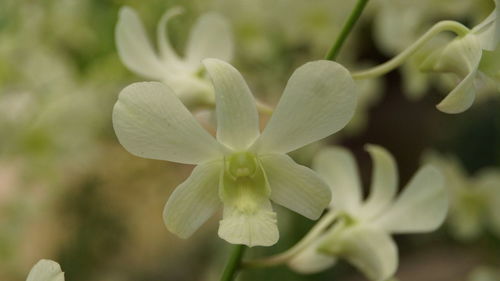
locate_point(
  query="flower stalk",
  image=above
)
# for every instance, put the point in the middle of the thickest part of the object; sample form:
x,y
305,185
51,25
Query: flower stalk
x,y
442,26
282,258
346,29
233,264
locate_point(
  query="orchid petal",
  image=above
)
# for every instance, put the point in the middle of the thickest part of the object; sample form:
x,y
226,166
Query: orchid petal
x,y
384,181
46,270
167,53
294,186
248,216
237,117
318,100
488,31
134,47
193,201
462,57
371,250
252,229
151,122
310,260
461,97
337,167
211,37
421,207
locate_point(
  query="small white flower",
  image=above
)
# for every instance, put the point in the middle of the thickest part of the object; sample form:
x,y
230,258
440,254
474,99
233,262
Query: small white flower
x,y
243,169
210,37
46,270
462,57
474,200
363,233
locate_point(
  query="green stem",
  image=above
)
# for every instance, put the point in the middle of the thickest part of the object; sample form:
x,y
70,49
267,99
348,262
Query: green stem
x,y
311,236
346,29
233,264
384,68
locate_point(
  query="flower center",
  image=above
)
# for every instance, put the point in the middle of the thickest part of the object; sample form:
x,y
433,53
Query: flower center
x,y
242,164
243,184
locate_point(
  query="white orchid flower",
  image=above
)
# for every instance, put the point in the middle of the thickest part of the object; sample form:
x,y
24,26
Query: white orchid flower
x,y
462,57
46,270
474,199
243,169
210,37
362,235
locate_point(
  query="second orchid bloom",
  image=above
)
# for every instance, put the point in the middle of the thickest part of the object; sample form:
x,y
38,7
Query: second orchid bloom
x,y
210,37
243,170
362,232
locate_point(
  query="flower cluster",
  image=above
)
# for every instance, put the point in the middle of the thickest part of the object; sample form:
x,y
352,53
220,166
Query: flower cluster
x,y
210,37
244,168
463,57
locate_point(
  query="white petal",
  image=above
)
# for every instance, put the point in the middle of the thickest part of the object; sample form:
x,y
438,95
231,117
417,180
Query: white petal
x,y
252,229
294,186
318,100
167,53
371,250
338,168
461,97
134,48
384,181
488,31
237,117
46,270
421,207
310,260
151,122
211,37
193,201
462,57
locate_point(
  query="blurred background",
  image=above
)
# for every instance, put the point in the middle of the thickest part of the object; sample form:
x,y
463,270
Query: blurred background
x,y
71,193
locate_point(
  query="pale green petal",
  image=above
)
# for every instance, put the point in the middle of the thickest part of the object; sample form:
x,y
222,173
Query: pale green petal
x,y
421,207
318,100
134,47
258,228
310,260
369,249
167,53
490,64
46,270
194,201
337,167
384,181
462,57
294,186
461,97
211,37
151,122
237,117
248,217
488,31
